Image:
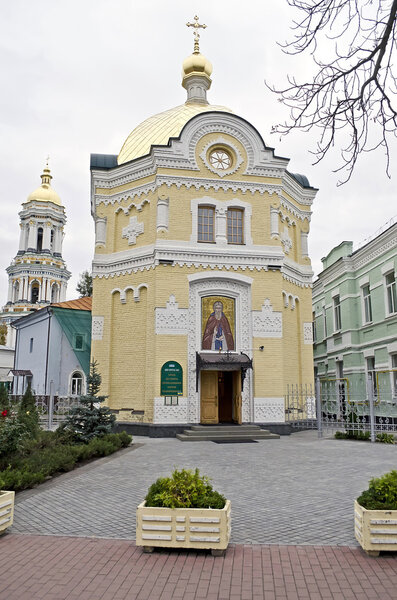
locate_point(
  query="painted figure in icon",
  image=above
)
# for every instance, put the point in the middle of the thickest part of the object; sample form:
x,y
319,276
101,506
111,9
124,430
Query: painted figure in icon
x,y
217,333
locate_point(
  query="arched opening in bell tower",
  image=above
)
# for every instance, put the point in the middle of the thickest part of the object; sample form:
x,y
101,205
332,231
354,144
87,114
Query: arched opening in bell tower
x,y
39,239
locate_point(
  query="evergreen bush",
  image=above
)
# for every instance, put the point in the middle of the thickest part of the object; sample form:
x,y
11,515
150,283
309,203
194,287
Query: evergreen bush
x,y
381,493
27,413
89,420
184,489
4,401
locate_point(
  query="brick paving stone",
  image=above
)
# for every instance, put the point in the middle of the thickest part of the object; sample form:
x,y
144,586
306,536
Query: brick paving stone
x,y
38,569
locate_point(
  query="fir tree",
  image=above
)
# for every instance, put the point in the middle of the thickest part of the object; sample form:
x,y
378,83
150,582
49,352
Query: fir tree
x,y
4,401
90,420
84,285
27,412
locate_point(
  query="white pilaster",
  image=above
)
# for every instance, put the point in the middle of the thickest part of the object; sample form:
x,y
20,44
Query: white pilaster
x,y
221,225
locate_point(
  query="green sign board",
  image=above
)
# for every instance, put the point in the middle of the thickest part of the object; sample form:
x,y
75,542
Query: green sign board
x,y
171,379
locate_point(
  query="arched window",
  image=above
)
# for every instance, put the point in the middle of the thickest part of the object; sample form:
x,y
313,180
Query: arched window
x,y
54,293
52,240
34,298
16,291
39,239
76,384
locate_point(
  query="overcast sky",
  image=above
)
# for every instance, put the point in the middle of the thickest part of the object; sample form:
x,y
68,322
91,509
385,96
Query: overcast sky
x,y
78,75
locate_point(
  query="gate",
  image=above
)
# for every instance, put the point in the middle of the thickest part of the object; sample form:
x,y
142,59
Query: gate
x,y
361,403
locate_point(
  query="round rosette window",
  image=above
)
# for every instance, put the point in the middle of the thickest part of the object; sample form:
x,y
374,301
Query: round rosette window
x,y
220,158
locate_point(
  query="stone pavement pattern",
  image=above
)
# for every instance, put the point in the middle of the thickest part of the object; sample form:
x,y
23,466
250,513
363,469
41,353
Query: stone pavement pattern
x,y
56,568
295,490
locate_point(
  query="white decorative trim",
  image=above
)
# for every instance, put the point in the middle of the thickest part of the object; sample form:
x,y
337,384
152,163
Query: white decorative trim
x,y
171,320
241,291
290,299
97,328
162,212
266,322
286,240
269,410
100,231
308,333
138,207
220,275
132,230
136,292
205,184
222,142
388,267
171,414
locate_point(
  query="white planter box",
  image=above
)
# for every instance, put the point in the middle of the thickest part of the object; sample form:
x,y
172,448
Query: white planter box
x,y
375,530
6,510
205,528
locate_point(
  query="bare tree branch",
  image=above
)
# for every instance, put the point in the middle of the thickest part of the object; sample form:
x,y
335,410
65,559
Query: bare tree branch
x,y
355,91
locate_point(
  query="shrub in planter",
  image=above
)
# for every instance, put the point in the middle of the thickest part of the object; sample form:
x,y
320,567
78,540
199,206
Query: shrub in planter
x,y
376,515
184,511
184,489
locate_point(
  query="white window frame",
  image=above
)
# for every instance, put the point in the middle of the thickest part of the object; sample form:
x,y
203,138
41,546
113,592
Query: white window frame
x,y
391,302
73,378
337,313
220,224
366,302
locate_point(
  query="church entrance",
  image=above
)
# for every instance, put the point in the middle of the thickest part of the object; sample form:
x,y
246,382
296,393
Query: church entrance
x,y
220,397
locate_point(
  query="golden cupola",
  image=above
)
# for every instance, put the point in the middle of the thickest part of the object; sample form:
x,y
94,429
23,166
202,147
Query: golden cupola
x,y
45,193
159,129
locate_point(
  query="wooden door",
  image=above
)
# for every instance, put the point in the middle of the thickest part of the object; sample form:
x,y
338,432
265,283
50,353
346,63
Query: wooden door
x,y
209,397
237,399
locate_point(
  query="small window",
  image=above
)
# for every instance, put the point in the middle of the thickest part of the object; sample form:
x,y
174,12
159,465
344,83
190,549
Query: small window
x,y
39,239
76,384
31,345
314,327
367,304
235,226
337,315
78,341
391,293
206,218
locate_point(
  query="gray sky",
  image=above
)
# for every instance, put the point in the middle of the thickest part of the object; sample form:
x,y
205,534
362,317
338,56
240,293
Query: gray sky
x,y
78,75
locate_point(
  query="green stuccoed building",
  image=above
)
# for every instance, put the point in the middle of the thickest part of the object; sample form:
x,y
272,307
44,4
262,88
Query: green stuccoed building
x,y
355,318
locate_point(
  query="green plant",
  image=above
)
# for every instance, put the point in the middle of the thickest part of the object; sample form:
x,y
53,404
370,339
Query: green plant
x,y
184,489
362,436
42,457
381,493
89,420
27,412
12,434
4,401
385,438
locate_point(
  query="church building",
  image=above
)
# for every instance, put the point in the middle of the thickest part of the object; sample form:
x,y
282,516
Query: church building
x,y
201,274
37,275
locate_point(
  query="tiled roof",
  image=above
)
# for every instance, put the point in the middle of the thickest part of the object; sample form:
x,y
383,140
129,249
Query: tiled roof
x,y
84,303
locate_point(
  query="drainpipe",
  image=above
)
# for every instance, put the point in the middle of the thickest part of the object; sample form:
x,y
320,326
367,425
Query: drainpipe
x,y
47,352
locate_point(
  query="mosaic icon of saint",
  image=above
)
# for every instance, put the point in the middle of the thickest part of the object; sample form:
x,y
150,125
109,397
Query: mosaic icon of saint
x,y
217,333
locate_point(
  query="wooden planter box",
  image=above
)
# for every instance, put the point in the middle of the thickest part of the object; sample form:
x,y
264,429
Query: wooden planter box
x,y
6,510
375,530
204,528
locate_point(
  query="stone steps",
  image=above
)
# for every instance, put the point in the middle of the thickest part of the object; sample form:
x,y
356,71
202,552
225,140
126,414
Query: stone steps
x,y
212,433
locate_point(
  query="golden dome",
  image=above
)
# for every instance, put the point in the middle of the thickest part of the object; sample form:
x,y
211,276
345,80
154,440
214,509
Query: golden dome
x,y
198,64
45,193
157,130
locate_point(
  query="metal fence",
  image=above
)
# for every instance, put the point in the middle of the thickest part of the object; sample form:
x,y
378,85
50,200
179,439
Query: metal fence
x,y
52,410
358,404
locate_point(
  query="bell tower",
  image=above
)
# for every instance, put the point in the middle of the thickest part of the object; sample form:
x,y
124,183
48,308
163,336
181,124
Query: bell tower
x,y
37,276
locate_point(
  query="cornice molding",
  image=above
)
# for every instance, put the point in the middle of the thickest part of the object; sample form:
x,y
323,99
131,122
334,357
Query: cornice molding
x,y
201,183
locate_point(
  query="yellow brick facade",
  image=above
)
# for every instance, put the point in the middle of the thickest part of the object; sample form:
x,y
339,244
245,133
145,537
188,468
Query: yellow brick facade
x,y
151,271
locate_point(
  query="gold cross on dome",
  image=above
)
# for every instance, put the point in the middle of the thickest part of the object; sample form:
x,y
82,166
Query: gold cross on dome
x,y
196,26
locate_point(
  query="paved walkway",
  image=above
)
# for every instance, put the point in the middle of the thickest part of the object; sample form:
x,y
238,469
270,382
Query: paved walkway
x,y
292,526
295,490
56,568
